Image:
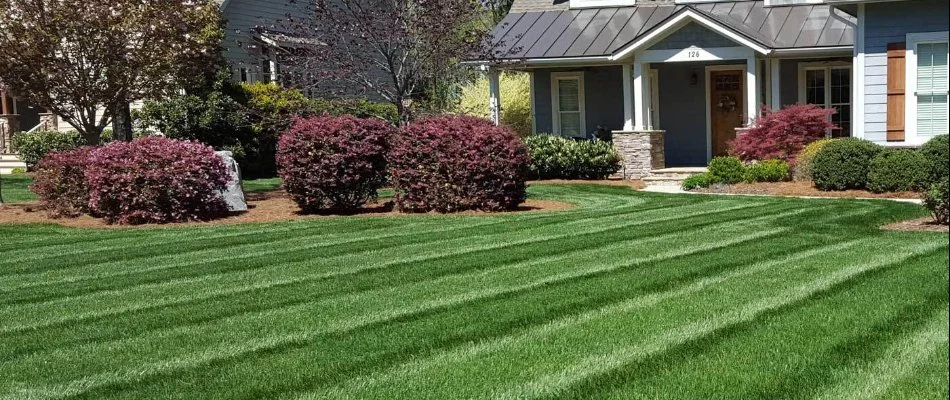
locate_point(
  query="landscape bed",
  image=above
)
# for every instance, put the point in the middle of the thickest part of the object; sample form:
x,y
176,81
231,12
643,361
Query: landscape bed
x,y
629,295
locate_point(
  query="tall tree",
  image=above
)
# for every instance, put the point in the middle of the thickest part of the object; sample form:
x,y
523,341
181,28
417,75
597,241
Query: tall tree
x,y
87,60
391,48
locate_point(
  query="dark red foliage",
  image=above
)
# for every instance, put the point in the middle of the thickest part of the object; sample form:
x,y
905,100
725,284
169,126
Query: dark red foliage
x,y
783,134
457,163
333,163
156,180
60,183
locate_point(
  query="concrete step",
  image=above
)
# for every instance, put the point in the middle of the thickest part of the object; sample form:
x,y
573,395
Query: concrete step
x,y
9,162
671,176
9,157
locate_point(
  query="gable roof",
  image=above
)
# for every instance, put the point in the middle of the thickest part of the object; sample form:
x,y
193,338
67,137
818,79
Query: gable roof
x,y
553,32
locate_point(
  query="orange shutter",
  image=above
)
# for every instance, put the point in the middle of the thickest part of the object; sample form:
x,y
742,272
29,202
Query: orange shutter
x,y
896,92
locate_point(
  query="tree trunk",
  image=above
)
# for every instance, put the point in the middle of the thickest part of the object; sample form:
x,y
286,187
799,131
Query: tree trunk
x,y
92,135
122,122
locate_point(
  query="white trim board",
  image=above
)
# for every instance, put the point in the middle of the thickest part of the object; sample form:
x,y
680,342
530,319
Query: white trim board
x,y
678,22
708,102
910,90
694,53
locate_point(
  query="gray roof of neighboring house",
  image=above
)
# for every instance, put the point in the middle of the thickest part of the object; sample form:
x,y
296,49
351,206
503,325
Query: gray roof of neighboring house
x,y
548,29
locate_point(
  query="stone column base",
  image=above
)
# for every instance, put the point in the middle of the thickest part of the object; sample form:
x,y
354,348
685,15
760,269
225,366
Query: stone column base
x,y
642,151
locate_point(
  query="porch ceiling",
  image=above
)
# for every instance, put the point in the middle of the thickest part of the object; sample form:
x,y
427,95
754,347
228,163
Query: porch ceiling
x,y
601,32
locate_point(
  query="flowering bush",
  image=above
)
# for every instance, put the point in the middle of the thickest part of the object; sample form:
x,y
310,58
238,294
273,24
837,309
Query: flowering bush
x,y
783,134
456,163
333,163
60,183
156,180
556,157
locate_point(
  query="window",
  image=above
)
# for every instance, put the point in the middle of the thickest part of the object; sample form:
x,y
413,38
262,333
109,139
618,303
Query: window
x,y
926,86
830,87
567,100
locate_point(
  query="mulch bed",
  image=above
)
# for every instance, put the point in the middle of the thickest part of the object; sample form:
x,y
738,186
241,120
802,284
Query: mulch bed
x,y
263,207
804,188
925,224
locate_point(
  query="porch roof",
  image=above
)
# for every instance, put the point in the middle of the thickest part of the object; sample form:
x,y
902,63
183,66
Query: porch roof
x,y
539,33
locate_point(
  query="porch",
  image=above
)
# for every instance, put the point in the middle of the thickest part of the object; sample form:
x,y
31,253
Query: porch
x,y
16,116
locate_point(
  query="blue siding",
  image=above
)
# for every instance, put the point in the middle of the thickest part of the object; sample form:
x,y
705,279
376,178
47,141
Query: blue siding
x,y
603,95
890,23
693,34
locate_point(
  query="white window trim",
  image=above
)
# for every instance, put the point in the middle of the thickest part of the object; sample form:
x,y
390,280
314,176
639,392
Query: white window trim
x,y
910,83
827,67
556,77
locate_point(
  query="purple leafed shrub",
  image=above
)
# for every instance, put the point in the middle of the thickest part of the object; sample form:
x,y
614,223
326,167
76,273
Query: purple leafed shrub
x,y
60,183
457,163
782,134
333,163
156,180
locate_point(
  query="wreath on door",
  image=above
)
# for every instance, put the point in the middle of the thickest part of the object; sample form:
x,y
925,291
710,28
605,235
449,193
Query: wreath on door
x,y
727,103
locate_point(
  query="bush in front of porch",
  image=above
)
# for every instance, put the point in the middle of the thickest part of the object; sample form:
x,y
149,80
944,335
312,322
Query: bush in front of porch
x,y
556,157
782,134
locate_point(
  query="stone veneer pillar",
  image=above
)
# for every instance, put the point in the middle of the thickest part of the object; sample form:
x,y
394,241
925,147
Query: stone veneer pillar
x,y
642,151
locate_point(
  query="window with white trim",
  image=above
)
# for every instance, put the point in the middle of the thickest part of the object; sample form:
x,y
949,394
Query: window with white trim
x,y
932,88
829,87
567,100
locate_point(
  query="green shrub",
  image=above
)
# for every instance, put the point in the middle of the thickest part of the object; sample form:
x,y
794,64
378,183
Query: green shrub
x,y
34,146
767,171
697,181
515,91
936,200
728,170
937,152
18,171
802,169
844,164
898,171
555,157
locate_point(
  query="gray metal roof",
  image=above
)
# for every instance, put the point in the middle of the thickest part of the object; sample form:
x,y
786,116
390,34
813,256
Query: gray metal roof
x,y
553,31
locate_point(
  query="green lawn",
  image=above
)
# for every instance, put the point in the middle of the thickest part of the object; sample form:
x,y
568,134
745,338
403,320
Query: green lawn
x,y
15,188
631,295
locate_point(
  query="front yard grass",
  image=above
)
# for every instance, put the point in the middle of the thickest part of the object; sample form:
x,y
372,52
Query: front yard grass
x,y
16,188
631,295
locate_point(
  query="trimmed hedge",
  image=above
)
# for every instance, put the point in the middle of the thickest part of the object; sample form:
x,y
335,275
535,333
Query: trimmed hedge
x,y
766,171
156,180
728,170
457,163
32,147
937,152
898,171
937,200
698,181
60,183
333,163
844,164
556,157
803,161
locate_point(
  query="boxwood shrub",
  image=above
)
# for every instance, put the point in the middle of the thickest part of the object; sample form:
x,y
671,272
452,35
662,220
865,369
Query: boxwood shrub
x,y
33,146
457,163
803,161
59,182
937,152
556,157
333,163
766,171
898,171
843,164
937,200
697,181
728,170
156,180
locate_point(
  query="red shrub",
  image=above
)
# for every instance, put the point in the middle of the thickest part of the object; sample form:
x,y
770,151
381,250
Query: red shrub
x,y
455,163
156,180
333,163
782,134
60,184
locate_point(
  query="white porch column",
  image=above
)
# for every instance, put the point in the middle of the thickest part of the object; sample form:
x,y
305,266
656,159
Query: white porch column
x,y
752,90
628,116
776,84
641,96
494,93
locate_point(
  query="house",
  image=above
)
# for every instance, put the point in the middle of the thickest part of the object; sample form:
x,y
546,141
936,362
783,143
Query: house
x,y
675,80
253,44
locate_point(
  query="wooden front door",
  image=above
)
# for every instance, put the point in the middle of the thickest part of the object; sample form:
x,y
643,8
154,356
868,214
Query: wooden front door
x,y
726,107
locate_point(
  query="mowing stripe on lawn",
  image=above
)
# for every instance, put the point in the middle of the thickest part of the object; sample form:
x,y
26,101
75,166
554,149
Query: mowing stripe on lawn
x,y
897,361
116,269
238,334
516,349
180,291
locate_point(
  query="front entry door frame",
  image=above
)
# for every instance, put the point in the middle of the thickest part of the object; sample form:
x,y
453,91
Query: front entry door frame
x,y
745,100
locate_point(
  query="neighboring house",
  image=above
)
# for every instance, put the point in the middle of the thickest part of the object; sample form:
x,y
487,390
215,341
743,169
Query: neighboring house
x,y
676,79
253,44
